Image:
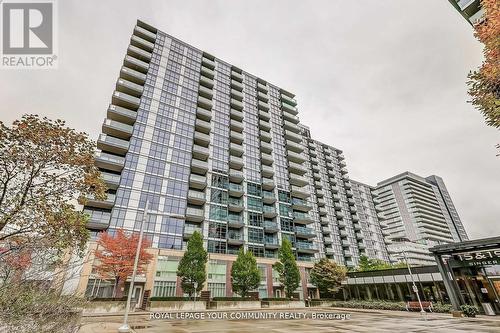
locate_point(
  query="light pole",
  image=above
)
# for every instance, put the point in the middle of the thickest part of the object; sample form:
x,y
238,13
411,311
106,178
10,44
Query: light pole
x,y
415,289
125,327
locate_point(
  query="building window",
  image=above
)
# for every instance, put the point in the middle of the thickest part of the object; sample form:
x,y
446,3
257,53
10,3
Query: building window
x,y
256,250
255,219
254,189
164,289
255,235
216,246
254,203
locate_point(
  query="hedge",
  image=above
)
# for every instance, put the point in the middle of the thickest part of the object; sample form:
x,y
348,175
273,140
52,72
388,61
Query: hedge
x,y
280,299
236,299
385,305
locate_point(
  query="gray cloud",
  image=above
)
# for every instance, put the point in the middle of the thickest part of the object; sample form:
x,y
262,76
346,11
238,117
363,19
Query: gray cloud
x,y
382,80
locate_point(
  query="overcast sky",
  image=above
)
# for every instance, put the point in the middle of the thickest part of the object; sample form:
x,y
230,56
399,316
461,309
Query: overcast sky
x,y
382,80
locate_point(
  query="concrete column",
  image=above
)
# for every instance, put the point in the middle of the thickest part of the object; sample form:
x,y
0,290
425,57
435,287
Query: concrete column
x,y
269,270
449,283
229,284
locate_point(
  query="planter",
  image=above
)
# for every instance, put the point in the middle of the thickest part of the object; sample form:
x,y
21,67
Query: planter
x,y
235,305
105,306
283,304
456,314
177,305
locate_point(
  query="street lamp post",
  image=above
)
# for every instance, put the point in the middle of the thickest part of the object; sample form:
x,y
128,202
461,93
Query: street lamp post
x,y
415,289
125,327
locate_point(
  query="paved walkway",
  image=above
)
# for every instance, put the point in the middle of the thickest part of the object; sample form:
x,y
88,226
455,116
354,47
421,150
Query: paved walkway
x,y
360,321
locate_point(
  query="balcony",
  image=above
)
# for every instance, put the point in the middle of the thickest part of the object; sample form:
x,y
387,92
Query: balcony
x,y
136,64
236,94
195,214
345,243
205,92
301,205
236,114
235,176
347,254
326,230
203,114
235,204
236,149
235,162
302,218
294,146
209,63
339,215
201,139
108,203
266,159
236,190
322,211
291,126
189,231
141,43
267,171
111,180
196,197
329,251
197,182
296,168
298,180
304,232
305,247
320,193
349,193
271,243
343,233
289,109
324,220
293,136
98,223
359,236
112,144
265,136
207,72
361,246
143,33
267,184
300,192
117,129
200,152
264,125
236,137
268,197
294,157
288,100
138,53
109,161
318,185
355,218
290,117
199,167
125,100
266,147
263,105
132,75
262,96
356,227
235,238
236,85
202,126
264,115
262,86
235,221
321,202
204,103
269,211
236,104
236,125
327,240
237,76
121,115
270,227
341,223
207,83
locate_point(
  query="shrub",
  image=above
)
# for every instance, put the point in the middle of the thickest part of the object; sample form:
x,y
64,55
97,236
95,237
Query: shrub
x,y
441,308
380,305
278,299
469,310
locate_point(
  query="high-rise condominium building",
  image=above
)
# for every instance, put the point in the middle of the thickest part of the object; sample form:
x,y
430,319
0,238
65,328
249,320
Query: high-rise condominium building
x,y
416,213
215,149
470,9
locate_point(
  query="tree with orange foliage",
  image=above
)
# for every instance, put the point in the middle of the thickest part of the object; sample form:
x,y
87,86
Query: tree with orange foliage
x,y
484,84
116,254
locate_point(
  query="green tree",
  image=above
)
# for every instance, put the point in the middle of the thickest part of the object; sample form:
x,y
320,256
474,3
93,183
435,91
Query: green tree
x,y
287,268
327,276
368,264
244,273
192,267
